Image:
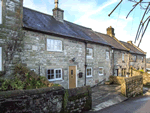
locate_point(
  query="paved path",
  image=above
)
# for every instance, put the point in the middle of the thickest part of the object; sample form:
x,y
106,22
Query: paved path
x,y
106,95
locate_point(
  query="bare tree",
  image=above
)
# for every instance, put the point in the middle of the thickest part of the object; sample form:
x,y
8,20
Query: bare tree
x,y
144,5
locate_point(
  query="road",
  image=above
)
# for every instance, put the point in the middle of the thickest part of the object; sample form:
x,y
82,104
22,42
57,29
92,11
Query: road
x,y
139,104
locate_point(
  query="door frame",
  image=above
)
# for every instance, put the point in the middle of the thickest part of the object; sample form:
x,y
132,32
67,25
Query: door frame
x,y
76,75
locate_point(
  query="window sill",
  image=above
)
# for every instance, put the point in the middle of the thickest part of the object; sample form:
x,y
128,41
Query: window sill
x,y
89,57
56,80
54,51
101,74
89,76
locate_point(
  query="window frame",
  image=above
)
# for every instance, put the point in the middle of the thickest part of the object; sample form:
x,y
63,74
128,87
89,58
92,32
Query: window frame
x,y
1,9
123,57
135,58
53,45
102,71
142,59
55,79
89,57
86,71
108,55
1,59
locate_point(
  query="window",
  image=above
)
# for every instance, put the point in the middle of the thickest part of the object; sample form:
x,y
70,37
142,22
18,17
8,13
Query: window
x,y
107,54
54,74
122,57
89,53
0,58
54,45
100,70
88,72
142,59
135,58
0,11
123,72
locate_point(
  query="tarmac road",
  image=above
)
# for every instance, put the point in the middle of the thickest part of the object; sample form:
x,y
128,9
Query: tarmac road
x,y
139,104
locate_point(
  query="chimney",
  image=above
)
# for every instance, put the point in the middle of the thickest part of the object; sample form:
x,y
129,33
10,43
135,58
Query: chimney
x,y
58,14
130,42
110,31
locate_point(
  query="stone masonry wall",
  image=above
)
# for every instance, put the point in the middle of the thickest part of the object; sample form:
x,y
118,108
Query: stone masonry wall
x,y
35,55
138,64
46,100
118,63
43,100
11,26
132,86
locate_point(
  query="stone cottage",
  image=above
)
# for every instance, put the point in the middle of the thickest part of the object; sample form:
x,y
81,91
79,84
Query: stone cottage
x,y
63,52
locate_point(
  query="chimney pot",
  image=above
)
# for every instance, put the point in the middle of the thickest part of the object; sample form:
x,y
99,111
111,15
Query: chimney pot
x,y
130,42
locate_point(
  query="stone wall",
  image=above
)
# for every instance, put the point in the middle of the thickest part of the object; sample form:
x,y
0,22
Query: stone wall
x,y
138,64
132,86
118,63
116,79
41,100
35,55
46,100
146,76
10,34
79,100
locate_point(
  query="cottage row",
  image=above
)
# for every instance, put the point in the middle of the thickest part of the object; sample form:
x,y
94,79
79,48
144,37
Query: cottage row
x,y
64,52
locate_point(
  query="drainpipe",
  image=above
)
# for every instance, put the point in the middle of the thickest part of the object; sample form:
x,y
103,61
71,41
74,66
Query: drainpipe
x,y
85,62
113,61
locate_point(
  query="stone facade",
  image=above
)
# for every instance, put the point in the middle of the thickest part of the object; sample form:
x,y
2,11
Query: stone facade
x,y
10,34
119,63
35,55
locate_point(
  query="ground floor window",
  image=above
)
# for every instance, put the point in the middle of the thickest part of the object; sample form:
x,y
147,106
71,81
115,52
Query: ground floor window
x,y
123,72
100,70
54,74
88,72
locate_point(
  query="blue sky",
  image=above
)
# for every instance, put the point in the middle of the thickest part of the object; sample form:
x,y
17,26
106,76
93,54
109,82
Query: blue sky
x,y
94,14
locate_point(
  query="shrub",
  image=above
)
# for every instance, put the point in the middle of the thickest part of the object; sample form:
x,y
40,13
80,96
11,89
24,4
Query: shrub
x,y
24,78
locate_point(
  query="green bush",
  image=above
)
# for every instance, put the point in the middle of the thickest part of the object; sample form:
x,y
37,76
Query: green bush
x,y
24,78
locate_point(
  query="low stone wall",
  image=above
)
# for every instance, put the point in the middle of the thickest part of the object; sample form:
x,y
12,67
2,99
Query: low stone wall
x,y
132,86
116,79
79,99
146,76
46,100
41,100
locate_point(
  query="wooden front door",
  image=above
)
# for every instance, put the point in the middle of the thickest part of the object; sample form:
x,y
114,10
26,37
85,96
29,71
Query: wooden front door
x,y
72,76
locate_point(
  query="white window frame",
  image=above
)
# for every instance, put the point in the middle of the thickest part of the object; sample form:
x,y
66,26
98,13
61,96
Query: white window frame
x,y
1,59
107,52
91,72
54,42
89,56
0,11
102,71
54,74
123,57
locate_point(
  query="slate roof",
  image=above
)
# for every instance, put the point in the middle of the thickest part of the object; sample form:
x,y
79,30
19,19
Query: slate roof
x,y
133,49
41,22
115,44
47,23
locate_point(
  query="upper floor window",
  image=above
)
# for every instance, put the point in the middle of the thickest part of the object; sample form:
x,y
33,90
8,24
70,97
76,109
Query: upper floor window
x,y
100,70
54,45
54,74
123,57
142,59
107,54
89,53
0,58
134,58
0,11
88,72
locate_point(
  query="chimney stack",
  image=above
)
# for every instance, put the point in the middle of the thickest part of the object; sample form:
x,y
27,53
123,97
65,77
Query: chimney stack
x,y
130,42
110,31
58,14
